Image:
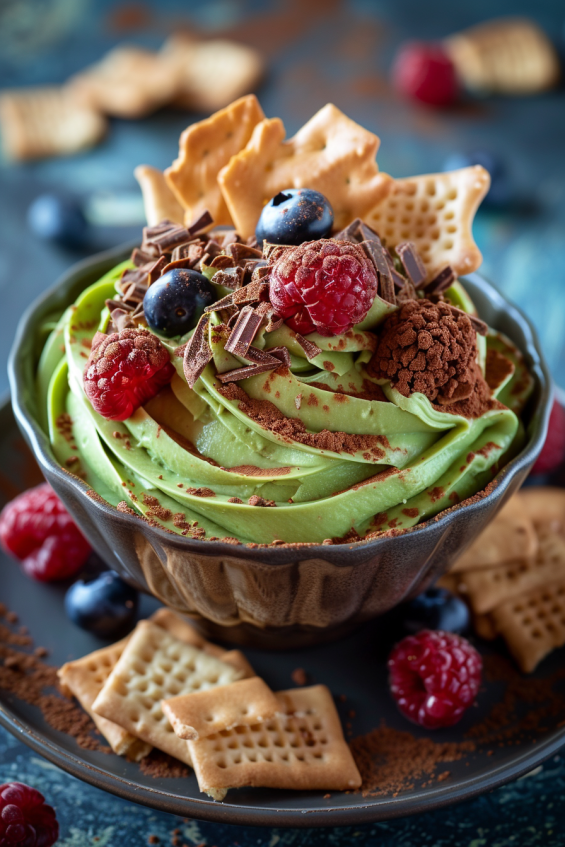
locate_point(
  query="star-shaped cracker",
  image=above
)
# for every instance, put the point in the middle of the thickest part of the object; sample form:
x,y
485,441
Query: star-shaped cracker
x,y
435,212
331,154
204,149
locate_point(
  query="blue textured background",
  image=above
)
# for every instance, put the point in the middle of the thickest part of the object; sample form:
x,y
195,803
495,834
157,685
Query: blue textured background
x,y
318,51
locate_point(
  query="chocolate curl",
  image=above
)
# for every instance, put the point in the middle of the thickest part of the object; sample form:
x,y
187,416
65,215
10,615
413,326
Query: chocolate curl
x,y
312,350
244,331
245,373
221,262
441,282
201,223
197,352
274,323
377,254
411,261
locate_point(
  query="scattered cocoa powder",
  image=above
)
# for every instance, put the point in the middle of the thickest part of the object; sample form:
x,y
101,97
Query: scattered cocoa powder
x,y
497,368
159,765
155,509
267,415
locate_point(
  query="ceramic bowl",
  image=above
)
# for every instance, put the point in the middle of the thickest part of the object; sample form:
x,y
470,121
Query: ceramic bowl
x,y
273,597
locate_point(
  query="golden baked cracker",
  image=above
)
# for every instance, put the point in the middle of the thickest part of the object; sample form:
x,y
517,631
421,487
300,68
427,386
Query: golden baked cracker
x,y
435,212
155,666
158,200
505,56
129,82
204,148
330,153
533,624
545,506
510,536
485,627
246,702
486,589
180,628
38,122
448,581
84,679
211,73
301,748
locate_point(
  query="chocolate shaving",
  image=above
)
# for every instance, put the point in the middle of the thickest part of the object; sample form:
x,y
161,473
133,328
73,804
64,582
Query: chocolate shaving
x,y
245,373
179,264
312,350
181,251
134,275
397,278
149,232
238,252
256,290
281,353
138,257
269,249
197,352
376,253
168,240
274,323
412,262
350,233
261,357
134,293
201,223
441,282
220,304
244,331
229,278
222,262
112,305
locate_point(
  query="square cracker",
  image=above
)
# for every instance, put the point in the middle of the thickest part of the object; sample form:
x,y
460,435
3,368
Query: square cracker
x,y
155,666
128,82
435,212
488,588
84,678
211,73
180,628
301,748
509,537
533,624
38,122
204,149
158,200
545,505
246,702
330,153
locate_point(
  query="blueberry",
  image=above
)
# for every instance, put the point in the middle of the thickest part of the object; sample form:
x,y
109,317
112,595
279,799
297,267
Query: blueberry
x,y
176,301
58,218
104,605
294,216
500,193
435,608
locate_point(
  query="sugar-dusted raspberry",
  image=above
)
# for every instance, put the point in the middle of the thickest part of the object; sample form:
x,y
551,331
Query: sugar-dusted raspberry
x,y
425,72
553,450
434,677
37,529
25,818
124,371
323,286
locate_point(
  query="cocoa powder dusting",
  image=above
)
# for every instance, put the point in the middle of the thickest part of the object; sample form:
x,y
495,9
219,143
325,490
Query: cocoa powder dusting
x,y
267,415
158,765
431,348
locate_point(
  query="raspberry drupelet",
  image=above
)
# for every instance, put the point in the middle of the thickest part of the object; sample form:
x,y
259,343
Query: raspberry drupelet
x,y
25,818
324,286
434,677
124,371
37,529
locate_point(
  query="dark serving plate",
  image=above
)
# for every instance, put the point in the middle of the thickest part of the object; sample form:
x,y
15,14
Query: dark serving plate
x,y
354,666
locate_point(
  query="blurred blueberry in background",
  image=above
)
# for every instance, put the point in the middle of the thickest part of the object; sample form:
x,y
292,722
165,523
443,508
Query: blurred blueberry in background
x,y
58,218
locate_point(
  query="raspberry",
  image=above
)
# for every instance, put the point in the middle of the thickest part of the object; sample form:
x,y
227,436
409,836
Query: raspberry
x,y
553,450
124,371
38,530
323,286
25,819
434,677
425,72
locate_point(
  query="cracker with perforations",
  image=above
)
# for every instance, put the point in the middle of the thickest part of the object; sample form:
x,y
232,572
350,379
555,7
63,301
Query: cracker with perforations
x,y
180,628
533,624
204,149
40,122
486,589
509,537
155,666
545,505
331,154
435,212
301,748
84,679
211,73
243,703
129,82
159,202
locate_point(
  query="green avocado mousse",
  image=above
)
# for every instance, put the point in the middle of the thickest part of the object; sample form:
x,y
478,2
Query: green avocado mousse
x,y
321,392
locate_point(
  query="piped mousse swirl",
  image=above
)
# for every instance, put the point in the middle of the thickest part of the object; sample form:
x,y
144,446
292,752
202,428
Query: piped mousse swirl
x,y
276,394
